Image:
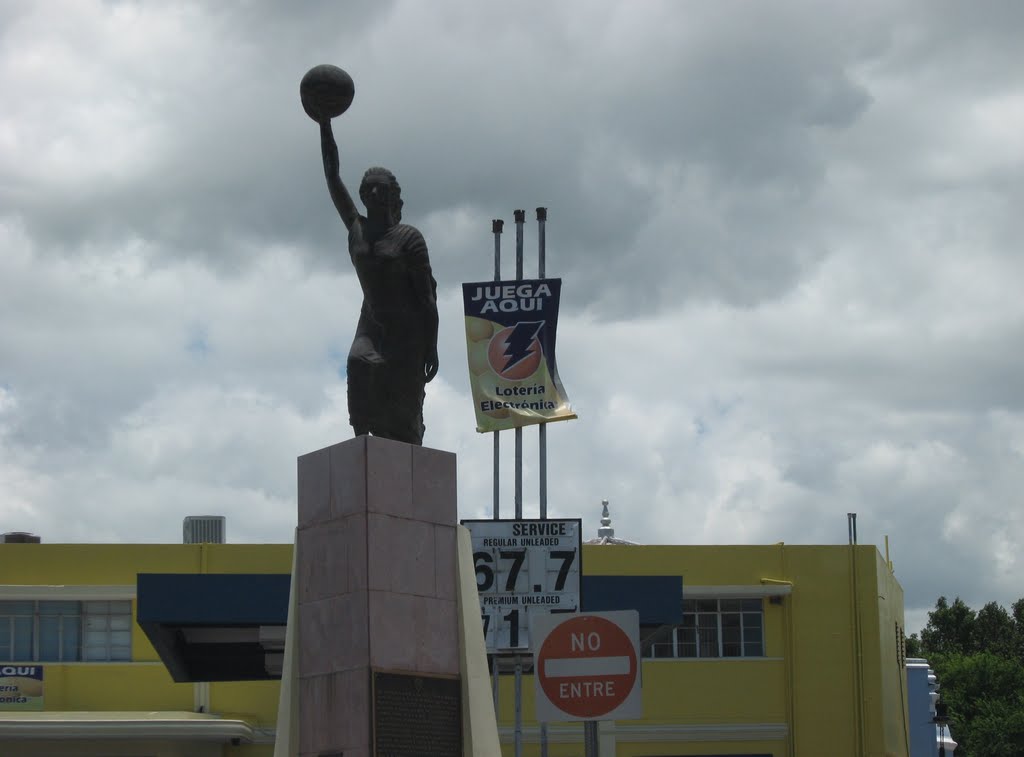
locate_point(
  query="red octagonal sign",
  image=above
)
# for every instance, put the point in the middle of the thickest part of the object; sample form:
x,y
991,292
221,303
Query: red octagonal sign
x,y
587,666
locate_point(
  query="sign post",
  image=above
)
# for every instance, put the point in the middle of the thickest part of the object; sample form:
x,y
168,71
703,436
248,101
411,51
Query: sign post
x,y
510,331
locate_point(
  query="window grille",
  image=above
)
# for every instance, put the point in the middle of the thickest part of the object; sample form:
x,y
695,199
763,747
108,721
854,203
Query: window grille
x,y
715,628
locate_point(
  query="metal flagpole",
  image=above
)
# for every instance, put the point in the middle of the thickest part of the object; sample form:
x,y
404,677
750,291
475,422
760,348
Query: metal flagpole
x,y
496,226
542,217
520,216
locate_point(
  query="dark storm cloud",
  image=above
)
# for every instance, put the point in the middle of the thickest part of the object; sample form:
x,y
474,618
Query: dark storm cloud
x,y
614,139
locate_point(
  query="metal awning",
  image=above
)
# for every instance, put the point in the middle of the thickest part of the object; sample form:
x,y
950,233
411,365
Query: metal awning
x,y
231,627
215,627
658,599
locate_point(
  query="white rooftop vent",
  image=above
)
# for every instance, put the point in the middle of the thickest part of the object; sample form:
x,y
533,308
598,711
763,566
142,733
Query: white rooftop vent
x,y
204,529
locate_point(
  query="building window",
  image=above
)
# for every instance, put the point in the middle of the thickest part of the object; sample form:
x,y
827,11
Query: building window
x,y
715,628
107,631
64,631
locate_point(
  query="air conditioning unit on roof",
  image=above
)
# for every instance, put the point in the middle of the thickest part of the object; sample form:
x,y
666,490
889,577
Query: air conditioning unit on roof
x,y
204,529
19,537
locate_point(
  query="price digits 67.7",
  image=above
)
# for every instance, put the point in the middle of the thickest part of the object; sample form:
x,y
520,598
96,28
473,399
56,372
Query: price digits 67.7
x,y
489,575
485,568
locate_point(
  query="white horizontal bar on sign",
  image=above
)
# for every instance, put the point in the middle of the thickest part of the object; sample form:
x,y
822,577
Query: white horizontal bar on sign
x,y
571,667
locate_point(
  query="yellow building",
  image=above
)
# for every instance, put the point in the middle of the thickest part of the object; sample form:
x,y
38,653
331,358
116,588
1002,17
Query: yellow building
x,y
97,685
787,651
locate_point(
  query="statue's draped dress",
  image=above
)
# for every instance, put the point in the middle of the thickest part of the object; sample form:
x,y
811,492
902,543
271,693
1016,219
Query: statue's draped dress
x,y
386,362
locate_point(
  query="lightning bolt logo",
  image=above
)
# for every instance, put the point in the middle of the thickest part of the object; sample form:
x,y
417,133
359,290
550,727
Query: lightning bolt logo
x,y
519,342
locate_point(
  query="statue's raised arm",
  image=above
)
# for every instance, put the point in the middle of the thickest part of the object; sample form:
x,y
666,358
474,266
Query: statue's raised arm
x,y
326,92
332,172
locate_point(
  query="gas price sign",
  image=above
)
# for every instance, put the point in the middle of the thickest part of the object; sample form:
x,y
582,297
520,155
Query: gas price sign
x,y
523,567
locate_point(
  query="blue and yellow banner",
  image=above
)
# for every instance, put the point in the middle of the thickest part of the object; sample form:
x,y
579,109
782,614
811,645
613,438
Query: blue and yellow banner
x,y
510,340
21,687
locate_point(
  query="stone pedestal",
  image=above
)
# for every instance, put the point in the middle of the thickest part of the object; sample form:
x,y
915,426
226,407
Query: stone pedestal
x,y
376,581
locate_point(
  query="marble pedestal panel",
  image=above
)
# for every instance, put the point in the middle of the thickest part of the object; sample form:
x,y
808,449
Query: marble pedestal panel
x,y
375,576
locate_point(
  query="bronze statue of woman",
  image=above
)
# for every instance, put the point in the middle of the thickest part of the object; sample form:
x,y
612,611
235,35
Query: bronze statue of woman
x,y
394,353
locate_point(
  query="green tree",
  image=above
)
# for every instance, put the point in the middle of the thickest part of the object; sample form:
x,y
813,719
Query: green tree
x,y
994,631
1017,611
997,729
983,692
914,646
980,667
950,628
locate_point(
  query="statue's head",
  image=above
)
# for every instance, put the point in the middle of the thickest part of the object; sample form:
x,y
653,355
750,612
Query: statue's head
x,y
379,189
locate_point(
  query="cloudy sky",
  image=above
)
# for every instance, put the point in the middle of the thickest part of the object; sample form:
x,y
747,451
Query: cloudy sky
x,y
788,234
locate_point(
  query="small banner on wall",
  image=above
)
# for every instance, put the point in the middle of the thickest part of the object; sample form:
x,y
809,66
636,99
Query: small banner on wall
x,y
21,687
510,339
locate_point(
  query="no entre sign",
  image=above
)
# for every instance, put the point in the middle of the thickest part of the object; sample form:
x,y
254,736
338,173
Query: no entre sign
x,y
587,666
